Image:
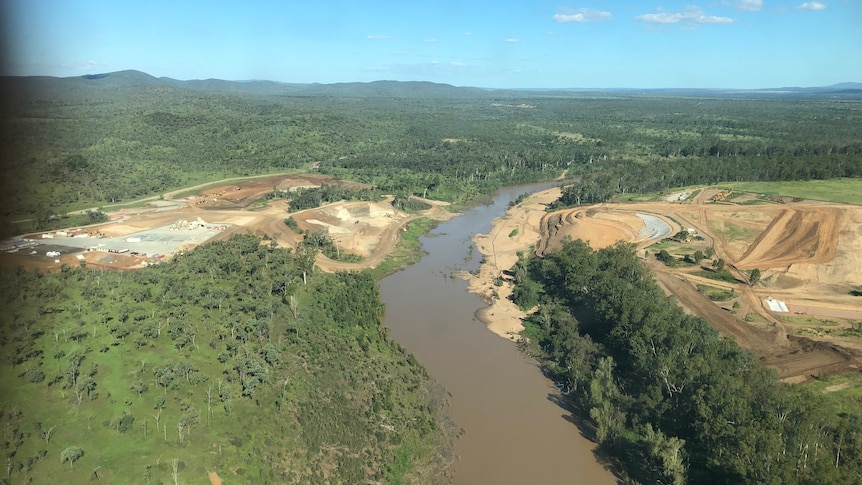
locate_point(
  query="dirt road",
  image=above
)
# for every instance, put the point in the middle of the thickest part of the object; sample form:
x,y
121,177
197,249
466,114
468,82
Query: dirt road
x,y
808,252
795,358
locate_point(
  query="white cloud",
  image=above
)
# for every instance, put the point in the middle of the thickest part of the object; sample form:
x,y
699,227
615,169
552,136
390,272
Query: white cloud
x,y
429,41
690,15
566,15
812,6
378,37
745,5
511,40
89,66
468,34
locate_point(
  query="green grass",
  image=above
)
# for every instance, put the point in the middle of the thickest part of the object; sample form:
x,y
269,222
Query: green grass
x,y
855,330
757,201
663,244
754,318
257,205
26,227
401,465
846,191
808,320
514,232
635,197
843,400
733,232
717,294
723,275
408,251
657,197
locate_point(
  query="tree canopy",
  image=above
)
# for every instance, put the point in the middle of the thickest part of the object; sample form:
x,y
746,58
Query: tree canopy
x,y
229,349
670,400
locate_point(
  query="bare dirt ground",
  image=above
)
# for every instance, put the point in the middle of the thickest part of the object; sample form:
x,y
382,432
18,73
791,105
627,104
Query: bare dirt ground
x,y
368,229
599,225
809,253
242,195
501,248
214,478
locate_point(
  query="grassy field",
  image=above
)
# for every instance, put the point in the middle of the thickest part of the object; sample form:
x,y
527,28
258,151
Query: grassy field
x,y
408,251
717,294
633,198
846,191
731,231
843,392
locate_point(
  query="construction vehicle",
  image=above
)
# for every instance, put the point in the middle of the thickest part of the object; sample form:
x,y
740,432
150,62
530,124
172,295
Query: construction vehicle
x,y
721,196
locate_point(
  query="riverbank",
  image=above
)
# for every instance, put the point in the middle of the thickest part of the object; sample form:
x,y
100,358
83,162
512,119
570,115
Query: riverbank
x,y
510,234
524,436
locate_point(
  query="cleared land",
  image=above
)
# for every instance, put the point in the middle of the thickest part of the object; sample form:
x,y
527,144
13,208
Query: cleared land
x,y
809,254
164,228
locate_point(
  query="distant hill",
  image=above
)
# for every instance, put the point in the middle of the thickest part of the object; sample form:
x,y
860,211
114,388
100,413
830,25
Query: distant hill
x,y
376,89
847,88
136,79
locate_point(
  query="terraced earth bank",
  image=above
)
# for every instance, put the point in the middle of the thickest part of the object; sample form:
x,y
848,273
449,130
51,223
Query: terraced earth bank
x,y
809,254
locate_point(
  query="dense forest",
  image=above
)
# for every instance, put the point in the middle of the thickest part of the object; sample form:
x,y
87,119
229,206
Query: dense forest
x,y
76,143
667,398
236,358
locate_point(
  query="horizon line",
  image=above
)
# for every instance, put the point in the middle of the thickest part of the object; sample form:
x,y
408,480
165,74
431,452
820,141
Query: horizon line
x,y
776,89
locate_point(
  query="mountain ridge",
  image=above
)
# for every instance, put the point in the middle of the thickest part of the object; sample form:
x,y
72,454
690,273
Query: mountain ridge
x,y
389,88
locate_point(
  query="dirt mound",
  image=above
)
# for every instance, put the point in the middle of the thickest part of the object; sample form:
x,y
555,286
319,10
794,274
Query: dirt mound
x,y
368,229
600,226
356,227
243,194
799,235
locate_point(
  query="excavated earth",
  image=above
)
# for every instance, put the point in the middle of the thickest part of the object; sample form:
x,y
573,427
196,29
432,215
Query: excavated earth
x,y
809,253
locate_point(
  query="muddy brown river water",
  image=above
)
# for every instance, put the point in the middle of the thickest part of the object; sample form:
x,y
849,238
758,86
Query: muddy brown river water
x,y
515,430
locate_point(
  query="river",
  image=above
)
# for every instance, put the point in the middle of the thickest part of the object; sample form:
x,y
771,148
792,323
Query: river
x,y
515,430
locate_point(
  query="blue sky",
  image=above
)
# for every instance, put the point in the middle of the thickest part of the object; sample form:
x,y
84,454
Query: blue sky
x,y
501,44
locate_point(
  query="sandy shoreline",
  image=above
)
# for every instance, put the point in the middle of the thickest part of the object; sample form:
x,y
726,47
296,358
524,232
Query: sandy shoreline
x,y
500,248
520,230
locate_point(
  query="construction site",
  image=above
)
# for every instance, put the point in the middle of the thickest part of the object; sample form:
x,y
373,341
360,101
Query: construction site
x,y
160,229
800,317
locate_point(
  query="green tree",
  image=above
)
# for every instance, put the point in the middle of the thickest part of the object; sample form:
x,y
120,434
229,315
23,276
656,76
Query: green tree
x,y
667,453
604,395
71,454
754,276
164,375
665,257
96,217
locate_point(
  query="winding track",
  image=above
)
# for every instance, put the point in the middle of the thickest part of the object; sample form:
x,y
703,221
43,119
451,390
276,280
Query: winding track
x,y
790,356
799,233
